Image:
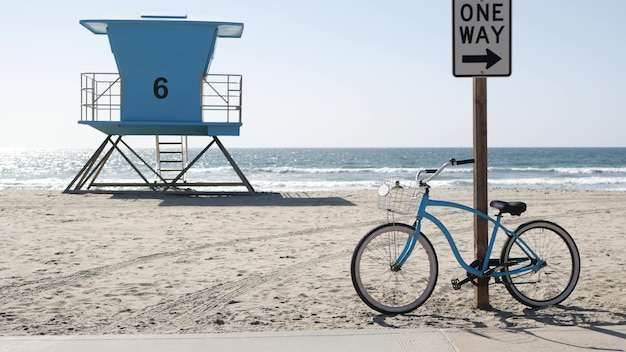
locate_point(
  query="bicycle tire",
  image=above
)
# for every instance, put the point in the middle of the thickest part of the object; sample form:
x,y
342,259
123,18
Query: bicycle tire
x,y
384,289
553,283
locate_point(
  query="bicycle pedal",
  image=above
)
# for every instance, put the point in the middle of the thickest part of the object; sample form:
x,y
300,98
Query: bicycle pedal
x,y
456,284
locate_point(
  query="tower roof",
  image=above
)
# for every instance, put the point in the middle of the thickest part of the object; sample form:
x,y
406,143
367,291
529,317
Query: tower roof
x,y
225,29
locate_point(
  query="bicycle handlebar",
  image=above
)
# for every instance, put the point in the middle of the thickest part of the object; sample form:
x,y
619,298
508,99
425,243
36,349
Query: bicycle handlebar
x,y
461,162
436,172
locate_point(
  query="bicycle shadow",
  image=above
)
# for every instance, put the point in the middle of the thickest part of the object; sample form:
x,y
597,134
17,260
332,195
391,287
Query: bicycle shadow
x,y
291,199
557,316
561,315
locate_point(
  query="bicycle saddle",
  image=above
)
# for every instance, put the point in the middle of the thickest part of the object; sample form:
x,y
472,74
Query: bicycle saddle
x,y
514,208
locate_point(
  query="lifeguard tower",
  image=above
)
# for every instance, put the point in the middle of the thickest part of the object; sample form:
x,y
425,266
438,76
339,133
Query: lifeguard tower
x,y
163,89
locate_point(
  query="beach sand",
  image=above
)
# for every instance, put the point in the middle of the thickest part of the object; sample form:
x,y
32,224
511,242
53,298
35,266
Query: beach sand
x,y
154,264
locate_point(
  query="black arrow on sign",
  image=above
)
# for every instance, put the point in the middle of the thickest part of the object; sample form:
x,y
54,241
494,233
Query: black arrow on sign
x,y
490,59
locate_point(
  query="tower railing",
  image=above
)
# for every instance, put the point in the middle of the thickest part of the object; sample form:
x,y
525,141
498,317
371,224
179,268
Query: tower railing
x,y
221,96
101,97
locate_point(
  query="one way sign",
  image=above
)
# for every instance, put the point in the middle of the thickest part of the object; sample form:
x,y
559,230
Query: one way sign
x,y
481,37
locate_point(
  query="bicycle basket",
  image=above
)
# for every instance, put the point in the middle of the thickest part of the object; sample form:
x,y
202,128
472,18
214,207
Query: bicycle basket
x,y
399,195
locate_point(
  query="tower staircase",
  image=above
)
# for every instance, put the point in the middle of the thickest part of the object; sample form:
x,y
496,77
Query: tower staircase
x,y
172,158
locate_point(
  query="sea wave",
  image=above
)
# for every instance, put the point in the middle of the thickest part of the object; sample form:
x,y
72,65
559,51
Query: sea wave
x,y
563,170
591,183
331,169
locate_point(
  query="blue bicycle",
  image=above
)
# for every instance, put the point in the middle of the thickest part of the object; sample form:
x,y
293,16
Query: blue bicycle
x,y
394,267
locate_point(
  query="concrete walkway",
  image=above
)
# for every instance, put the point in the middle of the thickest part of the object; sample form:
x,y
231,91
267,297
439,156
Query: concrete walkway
x,y
605,338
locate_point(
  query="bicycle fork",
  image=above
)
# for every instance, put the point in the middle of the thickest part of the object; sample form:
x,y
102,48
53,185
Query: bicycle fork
x,y
406,251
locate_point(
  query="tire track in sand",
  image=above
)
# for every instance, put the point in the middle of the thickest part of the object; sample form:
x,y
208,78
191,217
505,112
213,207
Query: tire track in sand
x,y
197,305
21,290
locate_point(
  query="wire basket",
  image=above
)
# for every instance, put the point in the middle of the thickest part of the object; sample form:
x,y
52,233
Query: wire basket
x,y
399,195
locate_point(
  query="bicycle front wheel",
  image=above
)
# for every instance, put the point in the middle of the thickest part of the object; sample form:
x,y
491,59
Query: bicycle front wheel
x,y
384,286
552,283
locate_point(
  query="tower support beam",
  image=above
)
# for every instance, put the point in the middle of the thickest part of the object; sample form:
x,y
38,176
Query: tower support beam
x,y
86,181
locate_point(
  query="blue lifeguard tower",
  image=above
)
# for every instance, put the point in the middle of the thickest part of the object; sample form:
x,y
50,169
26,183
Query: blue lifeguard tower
x,y
163,89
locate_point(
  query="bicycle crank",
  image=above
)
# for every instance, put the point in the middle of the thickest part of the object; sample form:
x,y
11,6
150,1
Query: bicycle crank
x,y
477,280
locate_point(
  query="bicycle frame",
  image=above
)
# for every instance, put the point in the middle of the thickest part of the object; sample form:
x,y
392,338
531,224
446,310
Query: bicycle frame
x,y
481,272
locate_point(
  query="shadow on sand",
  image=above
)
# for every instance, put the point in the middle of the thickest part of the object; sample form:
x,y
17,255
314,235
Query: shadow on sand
x,y
294,199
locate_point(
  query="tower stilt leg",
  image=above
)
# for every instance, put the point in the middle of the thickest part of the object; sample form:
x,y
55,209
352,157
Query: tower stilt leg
x,y
86,180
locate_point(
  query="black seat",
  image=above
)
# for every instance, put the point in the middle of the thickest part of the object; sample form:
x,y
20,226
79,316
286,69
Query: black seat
x,y
513,208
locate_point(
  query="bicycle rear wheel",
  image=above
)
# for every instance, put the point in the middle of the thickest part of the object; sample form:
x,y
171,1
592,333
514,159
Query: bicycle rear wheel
x,y
380,283
554,282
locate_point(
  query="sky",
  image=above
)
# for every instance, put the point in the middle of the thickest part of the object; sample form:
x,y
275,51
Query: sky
x,y
339,73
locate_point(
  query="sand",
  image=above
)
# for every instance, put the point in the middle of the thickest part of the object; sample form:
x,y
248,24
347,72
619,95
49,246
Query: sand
x,y
127,264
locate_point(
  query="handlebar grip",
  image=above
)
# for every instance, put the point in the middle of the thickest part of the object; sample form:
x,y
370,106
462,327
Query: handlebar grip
x,y
461,162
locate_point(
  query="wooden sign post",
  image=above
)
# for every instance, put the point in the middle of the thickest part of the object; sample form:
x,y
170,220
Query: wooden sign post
x,y
481,227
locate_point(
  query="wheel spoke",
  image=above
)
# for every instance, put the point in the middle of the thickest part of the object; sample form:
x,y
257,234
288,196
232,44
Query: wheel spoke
x,y
555,281
377,279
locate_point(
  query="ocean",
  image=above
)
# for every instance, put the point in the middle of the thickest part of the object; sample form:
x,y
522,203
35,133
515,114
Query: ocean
x,y
328,169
